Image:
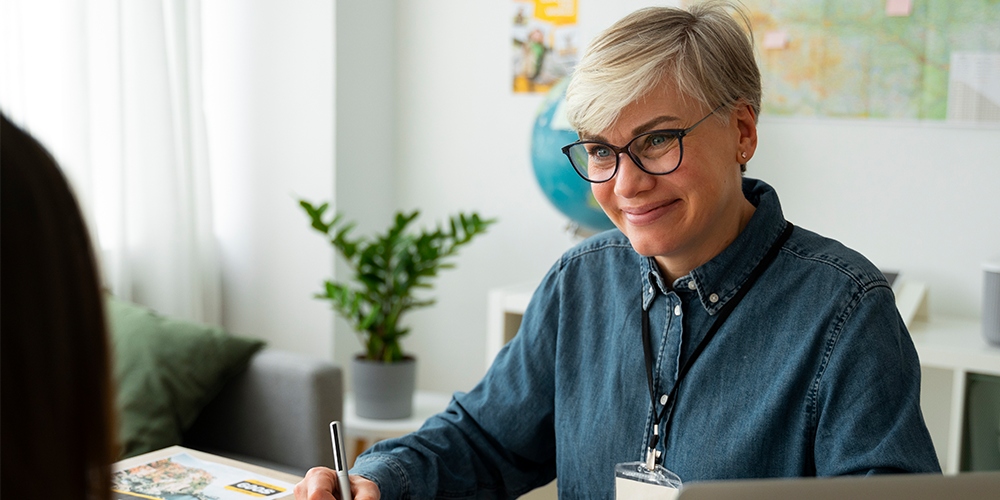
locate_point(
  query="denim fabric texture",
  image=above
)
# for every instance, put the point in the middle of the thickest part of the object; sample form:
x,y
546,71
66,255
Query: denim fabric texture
x,y
813,374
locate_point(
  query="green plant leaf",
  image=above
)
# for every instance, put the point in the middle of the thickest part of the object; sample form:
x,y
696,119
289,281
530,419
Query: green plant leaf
x,y
388,268
371,318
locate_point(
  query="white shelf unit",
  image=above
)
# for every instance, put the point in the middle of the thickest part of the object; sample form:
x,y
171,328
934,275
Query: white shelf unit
x,y
366,431
503,315
504,311
949,349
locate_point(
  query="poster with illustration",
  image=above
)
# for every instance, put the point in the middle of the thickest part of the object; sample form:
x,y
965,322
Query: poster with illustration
x,y
183,477
545,43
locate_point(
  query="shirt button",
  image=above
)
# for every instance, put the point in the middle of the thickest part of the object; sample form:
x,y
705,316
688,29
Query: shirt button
x,y
692,285
677,310
713,298
663,399
650,289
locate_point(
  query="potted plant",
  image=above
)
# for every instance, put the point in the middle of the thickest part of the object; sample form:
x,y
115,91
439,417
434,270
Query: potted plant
x,y
388,269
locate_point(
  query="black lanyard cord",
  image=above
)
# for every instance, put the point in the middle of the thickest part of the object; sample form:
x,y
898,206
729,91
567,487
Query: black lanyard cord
x,y
723,314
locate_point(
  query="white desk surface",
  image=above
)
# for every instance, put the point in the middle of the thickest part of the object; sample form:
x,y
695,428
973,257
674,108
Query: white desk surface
x,y
955,343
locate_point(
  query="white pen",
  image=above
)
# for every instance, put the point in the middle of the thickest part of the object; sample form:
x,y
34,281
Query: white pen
x,y
340,460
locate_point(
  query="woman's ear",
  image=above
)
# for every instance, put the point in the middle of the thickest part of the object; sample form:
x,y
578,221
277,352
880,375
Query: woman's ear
x,y
746,125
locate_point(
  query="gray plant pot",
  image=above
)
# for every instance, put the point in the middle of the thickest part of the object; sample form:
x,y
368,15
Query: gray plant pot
x,y
383,390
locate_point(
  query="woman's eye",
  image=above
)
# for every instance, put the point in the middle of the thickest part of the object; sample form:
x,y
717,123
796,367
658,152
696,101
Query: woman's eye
x,y
600,152
656,140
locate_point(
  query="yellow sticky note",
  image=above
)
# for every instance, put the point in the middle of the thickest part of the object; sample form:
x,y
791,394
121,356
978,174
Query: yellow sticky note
x,y
557,12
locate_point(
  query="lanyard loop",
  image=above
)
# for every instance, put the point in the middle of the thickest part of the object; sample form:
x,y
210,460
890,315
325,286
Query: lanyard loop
x,y
727,309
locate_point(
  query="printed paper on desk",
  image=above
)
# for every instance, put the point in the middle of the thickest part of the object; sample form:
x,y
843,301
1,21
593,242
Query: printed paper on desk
x,y
184,475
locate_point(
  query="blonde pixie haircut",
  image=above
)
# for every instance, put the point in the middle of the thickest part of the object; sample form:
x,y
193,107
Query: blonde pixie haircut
x,y
703,50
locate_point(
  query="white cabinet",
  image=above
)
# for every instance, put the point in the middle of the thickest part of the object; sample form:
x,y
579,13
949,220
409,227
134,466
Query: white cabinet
x,y
503,314
506,306
949,350
366,431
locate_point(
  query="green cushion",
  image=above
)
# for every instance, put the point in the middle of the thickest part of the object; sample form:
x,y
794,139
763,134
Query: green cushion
x,y
167,371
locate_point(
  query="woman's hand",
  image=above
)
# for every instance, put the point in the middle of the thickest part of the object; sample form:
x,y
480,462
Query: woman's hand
x,y
320,483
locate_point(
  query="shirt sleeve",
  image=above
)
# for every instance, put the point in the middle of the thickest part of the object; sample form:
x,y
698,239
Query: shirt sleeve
x,y
498,440
867,402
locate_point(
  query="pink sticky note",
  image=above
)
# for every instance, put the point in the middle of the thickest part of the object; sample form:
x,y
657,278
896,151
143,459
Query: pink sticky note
x,y
775,40
898,8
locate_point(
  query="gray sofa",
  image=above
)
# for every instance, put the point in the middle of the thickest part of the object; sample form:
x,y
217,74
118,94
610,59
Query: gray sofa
x,y
275,414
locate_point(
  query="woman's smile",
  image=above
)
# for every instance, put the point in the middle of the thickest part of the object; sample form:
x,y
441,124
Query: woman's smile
x,y
643,215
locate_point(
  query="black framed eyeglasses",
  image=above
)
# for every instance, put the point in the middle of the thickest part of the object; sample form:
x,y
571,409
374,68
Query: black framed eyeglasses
x,y
657,152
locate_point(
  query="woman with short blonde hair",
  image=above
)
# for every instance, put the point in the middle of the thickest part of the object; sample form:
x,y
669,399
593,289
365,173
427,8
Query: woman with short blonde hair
x,y
705,334
704,51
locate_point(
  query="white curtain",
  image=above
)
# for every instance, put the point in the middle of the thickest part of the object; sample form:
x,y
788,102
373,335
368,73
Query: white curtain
x,y
113,89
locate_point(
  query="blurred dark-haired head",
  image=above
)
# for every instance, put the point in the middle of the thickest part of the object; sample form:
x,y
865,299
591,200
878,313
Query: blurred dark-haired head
x,y
57,409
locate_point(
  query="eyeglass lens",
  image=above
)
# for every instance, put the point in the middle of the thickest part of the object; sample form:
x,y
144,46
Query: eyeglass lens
x,y
655,152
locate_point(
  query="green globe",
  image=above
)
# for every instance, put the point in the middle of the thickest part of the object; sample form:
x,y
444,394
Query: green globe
x,y
567,191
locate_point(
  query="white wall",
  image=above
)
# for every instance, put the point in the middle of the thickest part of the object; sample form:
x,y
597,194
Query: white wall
x,y
924,198
269,93
921,197
463,143
432,79
366,122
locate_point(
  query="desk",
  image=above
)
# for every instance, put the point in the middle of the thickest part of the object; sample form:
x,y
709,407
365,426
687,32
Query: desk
x,y
214,459
366,431
950,349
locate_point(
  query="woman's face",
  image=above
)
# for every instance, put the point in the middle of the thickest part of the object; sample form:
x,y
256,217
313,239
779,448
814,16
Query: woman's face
x,y
686,217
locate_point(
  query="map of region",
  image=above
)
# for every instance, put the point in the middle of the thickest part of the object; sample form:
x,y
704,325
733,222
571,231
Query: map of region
x,y
894,59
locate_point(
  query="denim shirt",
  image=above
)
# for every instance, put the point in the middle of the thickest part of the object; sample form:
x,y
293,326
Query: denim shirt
x,y
813,374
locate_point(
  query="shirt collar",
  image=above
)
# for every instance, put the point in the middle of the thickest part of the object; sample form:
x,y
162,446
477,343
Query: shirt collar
x,y
719,279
